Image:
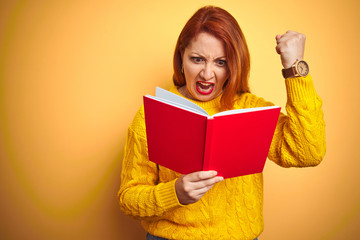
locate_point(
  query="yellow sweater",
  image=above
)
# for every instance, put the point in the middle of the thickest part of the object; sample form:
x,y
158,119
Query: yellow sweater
x,y
233,208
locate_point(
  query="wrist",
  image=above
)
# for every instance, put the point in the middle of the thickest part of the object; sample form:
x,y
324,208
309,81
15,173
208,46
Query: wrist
x,y
299,69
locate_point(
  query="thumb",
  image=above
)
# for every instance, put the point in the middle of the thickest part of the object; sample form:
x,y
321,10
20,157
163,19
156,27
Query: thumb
x,y
278,38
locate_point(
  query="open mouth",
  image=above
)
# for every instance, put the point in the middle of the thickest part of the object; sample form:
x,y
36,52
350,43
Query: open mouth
x,y
204,87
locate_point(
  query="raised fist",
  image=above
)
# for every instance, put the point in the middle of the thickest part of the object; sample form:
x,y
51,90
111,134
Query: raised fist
x,y
290,46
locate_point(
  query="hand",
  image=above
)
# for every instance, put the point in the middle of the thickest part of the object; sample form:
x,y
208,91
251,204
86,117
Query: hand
x,y
291,47
191,187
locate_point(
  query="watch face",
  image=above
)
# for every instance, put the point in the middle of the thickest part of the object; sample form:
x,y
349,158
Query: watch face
x,y
302,68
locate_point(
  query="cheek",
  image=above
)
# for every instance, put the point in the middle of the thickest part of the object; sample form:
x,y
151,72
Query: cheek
x,y
191,73
223,76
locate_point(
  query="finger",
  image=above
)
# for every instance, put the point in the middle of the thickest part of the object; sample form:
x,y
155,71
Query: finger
x,y
198,193
278,49
290,35
202,191
204,184
285,36
290,32
201,175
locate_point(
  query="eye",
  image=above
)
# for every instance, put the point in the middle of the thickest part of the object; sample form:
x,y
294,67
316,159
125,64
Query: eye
x,y
197,59
221,63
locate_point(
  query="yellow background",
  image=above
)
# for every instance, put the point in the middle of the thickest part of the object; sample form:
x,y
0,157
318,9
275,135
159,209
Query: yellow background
x,y
72,76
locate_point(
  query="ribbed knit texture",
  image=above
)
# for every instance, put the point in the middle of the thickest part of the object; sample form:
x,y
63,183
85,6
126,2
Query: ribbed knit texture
x,y
233,208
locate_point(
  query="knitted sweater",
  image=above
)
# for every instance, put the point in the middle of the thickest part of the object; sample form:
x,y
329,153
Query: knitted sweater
x,y
233,208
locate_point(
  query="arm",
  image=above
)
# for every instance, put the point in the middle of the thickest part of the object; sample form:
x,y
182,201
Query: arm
x,y
141,195
299,138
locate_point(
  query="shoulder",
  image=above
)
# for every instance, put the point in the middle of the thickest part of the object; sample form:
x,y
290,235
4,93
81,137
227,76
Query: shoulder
x,y
249,100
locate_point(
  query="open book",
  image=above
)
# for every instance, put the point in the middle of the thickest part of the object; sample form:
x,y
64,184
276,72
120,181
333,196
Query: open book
x,y
185,138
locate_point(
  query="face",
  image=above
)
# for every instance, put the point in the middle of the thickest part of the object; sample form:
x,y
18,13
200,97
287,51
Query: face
x,y
205,68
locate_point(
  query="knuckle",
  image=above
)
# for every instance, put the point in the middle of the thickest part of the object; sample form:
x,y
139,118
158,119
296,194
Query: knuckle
x,y
187,188
210,182
192,196
300,36
201,184
206,185
183,179
287,43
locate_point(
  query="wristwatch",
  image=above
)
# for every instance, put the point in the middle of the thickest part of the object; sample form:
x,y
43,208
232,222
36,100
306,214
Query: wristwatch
x,y
299,69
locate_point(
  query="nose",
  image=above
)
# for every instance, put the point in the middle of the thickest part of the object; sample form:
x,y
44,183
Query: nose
x,y
207,72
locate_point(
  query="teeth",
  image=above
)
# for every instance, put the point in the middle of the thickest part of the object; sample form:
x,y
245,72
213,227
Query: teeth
x,y
205,86
205,83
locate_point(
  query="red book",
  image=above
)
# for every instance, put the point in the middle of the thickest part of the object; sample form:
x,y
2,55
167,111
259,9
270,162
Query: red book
x,y
184,138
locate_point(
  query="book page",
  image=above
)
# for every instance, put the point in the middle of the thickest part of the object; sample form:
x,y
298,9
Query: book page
x,y
177,100
244,110
177,105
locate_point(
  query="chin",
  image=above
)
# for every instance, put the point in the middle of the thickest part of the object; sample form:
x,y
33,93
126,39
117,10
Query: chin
x,y
202,97
205,98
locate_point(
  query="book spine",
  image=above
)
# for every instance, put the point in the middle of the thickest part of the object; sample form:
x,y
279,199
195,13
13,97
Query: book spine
x,y
208,144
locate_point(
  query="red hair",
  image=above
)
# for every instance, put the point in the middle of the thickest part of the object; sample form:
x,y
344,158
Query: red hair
x,y
222,25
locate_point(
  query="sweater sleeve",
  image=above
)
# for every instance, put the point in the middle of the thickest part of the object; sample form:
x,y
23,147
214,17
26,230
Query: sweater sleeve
x,y
141,195
299,139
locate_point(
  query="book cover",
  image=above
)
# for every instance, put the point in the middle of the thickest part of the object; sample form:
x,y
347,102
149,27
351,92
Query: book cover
x,y
184,138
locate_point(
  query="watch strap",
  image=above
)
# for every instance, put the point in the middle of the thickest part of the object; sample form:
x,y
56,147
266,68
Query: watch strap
x,y
289,72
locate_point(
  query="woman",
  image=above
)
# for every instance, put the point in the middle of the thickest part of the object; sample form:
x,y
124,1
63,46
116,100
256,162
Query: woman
x,y
211,67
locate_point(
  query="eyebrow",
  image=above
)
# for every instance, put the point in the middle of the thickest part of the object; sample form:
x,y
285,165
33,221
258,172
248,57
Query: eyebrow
x,y
205,57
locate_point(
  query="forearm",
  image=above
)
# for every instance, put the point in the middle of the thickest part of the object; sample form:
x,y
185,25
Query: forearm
x,y
144,201
140,195
299,138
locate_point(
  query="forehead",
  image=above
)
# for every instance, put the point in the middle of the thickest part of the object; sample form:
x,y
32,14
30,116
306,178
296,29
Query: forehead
x,y
207,44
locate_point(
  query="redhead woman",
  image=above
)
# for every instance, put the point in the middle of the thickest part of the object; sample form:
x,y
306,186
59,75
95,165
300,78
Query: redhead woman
x,y
211,68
